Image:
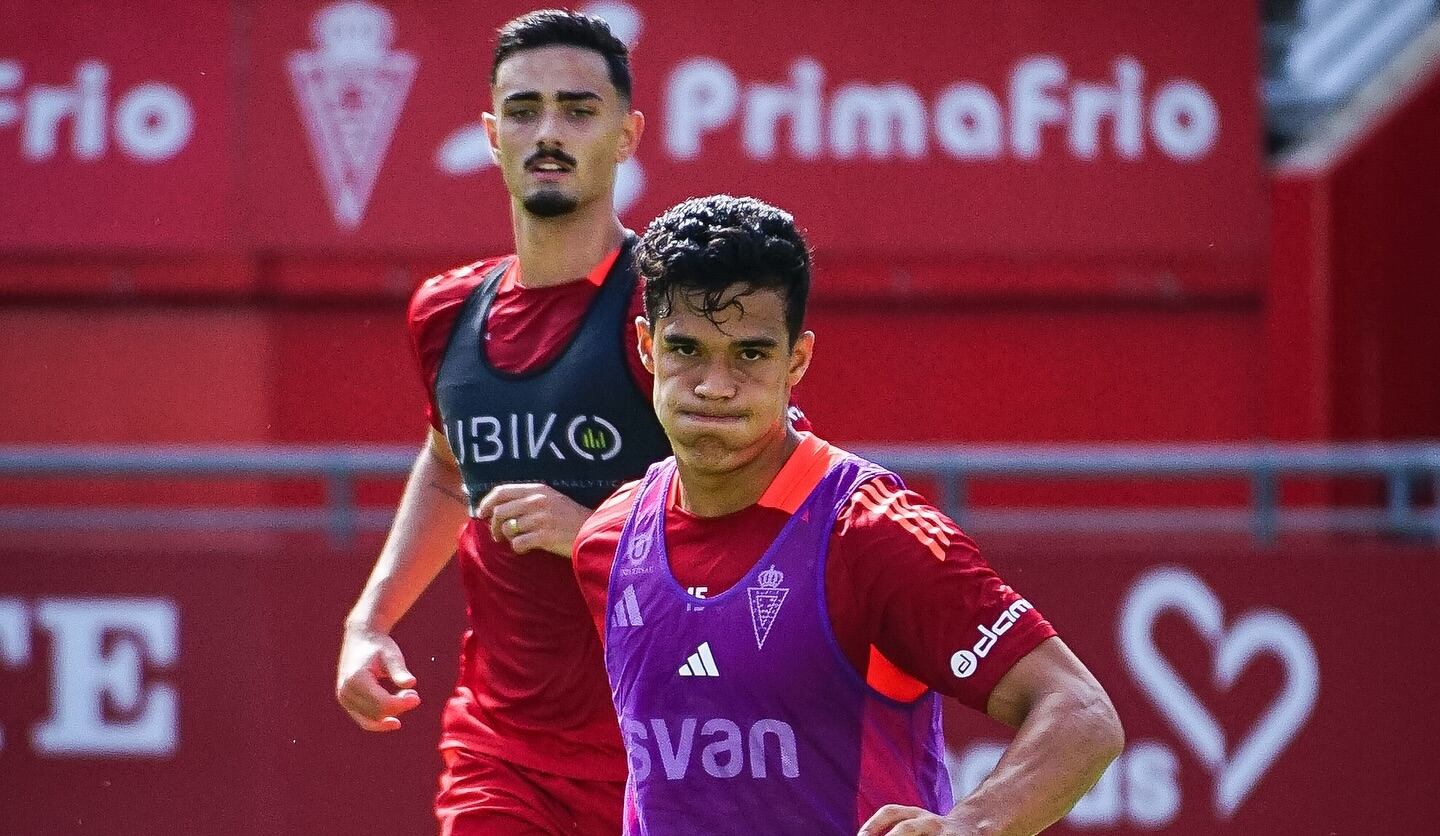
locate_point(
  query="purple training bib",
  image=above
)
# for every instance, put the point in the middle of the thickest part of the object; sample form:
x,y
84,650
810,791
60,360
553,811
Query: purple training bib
x,y
740,714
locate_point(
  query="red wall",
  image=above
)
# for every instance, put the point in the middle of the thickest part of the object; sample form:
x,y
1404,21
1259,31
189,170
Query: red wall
x,y
942,371
1355,280
106,374
920,371
101,374
1386,204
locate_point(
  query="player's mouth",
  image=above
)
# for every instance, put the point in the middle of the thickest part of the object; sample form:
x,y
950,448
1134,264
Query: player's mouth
x,y
712,418
550,166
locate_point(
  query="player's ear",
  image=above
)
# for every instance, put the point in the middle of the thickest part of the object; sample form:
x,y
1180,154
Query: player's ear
x,y
492,134
630,135
800,355
645,338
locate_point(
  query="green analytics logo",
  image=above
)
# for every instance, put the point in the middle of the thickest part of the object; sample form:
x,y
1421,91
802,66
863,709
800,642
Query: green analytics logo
x,y
594,438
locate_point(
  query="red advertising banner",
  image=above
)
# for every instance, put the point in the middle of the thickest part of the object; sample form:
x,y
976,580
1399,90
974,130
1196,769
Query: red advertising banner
x,y
1021,131
115,126
1076,129
188,689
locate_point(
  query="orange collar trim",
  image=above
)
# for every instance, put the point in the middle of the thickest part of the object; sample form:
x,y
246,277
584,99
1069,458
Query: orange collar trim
x,y
796,479
596,276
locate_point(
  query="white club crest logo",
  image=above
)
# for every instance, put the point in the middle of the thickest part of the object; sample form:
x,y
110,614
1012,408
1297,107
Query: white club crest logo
x,y
765,601
639,548
635,555
351,90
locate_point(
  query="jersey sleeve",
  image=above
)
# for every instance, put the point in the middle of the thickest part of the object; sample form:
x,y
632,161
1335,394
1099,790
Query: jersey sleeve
x,y
594,551
430,317
934,612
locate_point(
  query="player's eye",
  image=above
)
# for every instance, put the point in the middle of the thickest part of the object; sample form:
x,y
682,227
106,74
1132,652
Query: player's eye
x,y
752,354
683,349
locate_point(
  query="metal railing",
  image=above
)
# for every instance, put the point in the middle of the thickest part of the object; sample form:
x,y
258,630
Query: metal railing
x,y
1404,470
1399,468
339,468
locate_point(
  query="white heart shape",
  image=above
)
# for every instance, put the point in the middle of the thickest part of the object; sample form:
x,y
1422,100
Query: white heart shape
x,y
1259,631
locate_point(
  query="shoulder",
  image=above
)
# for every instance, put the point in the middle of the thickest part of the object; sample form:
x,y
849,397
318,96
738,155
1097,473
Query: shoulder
x,y
896,521
448,290
604,526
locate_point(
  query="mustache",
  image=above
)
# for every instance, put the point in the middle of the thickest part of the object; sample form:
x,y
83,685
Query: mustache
x,y
552,155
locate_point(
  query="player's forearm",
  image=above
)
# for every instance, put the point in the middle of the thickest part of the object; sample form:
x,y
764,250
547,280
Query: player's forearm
x,y
420,542
1059,752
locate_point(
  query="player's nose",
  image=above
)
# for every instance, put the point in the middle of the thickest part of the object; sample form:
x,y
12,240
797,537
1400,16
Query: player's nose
x,y
550,130
716,382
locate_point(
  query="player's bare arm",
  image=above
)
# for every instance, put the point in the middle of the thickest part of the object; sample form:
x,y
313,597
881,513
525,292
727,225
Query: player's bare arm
x,y
1067,732
533,517
420,543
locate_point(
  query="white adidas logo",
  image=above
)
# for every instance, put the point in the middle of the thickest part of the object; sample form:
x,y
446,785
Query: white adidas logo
x,y
700,663
627,610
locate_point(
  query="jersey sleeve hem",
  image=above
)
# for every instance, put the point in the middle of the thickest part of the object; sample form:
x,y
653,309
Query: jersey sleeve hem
x,y
1018,643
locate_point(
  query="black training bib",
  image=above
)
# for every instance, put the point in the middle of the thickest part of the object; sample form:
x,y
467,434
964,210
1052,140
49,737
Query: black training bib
x,y
578,424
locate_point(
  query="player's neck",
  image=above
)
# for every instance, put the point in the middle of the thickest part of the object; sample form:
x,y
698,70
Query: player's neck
x,y
712,494
554,251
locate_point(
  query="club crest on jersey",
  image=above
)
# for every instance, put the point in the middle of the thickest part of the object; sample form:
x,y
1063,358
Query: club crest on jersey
x,y
350,92
639,545
635,555
765,601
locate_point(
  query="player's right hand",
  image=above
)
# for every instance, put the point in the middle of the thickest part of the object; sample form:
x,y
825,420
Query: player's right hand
x,y
367,656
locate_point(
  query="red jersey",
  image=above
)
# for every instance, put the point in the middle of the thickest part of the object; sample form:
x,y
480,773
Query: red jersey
x,y
905,588
532,686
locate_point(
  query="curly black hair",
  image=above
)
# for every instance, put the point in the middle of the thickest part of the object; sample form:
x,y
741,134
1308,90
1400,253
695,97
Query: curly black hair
x,y
562,27
706,245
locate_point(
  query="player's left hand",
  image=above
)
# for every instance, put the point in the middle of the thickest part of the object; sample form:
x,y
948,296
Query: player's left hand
x,y
533,516
899,820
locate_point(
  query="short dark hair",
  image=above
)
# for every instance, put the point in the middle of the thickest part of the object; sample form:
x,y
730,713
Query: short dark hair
x,y
707,244
561,27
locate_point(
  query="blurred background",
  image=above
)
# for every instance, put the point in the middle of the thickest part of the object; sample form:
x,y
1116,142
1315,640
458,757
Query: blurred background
x,y
1144,294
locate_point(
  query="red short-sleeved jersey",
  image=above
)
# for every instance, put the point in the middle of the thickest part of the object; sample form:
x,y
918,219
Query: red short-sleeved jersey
x,y
532,686
906,590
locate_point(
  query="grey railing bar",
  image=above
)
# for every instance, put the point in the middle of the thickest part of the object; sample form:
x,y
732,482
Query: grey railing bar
x,y
1157,460
199,519
340,502
952,467
1015,460
205,461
